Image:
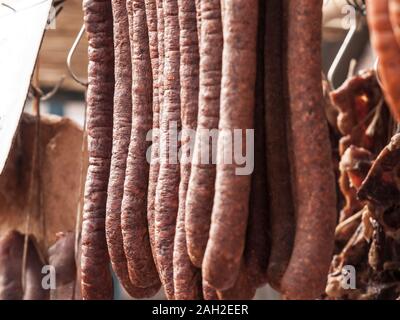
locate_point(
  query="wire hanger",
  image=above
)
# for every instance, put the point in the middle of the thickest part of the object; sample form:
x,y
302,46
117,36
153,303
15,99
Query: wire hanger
x,y
352,46
71,54
35,91
361,7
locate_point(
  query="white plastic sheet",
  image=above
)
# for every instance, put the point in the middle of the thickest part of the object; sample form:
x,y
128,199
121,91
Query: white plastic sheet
x,y
22,24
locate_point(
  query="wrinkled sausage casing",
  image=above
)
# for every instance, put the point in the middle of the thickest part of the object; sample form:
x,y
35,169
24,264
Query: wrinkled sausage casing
x,y
230,209
187,278
313,178
96,276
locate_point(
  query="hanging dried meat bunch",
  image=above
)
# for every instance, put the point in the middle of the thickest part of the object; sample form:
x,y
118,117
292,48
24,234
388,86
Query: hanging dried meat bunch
x,y
373,249
363,123
192,222
381,188
367,233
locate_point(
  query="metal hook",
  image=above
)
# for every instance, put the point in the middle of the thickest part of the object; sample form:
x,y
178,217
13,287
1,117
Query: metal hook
x,y
52,92
70,55
352,47
35,91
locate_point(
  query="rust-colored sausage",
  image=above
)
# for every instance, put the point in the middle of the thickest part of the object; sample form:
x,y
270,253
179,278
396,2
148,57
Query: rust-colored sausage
x,y
187,278
200,194
135,233
313,177
257,247
96,276
151,15
232,188
121,136
280,206
158,92
384,42
155,150
169,176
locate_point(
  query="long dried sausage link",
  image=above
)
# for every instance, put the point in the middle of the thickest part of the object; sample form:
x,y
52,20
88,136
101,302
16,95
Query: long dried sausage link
x,y
257,247
151,15
158,93
313,177
187,278
96,280
135,233
121,137
200,193
232,187
167,191
280,207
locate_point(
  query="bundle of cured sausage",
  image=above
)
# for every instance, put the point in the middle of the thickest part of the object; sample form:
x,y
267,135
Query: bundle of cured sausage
x,y
177,212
